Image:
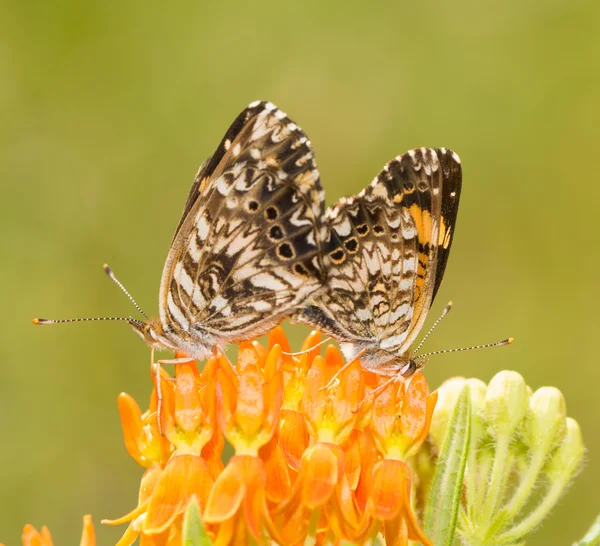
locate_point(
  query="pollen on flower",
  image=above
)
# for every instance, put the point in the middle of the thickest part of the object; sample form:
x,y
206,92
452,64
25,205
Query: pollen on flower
x,y
310,462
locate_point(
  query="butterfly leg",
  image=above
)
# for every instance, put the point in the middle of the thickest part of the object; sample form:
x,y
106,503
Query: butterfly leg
x,y
392,373
159,398
306,351
343,369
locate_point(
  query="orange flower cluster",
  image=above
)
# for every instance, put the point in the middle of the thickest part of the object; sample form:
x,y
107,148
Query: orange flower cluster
x,y
313,457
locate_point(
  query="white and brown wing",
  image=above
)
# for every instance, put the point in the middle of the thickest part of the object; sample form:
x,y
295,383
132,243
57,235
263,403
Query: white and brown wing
x,y
388,248
248,248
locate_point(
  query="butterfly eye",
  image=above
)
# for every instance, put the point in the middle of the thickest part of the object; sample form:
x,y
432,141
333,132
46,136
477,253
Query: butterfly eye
x,y
409,369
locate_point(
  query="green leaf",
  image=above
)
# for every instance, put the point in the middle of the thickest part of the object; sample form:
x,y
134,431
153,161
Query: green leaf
x,y
194,533
592,537
444,497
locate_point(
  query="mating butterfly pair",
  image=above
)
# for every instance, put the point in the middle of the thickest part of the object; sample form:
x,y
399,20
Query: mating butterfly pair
x,y
255,245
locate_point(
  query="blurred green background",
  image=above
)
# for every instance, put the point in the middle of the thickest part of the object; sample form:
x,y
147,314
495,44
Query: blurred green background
x,y
107,110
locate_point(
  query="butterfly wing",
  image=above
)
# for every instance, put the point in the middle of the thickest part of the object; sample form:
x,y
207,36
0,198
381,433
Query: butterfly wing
x,y
248,247
388,248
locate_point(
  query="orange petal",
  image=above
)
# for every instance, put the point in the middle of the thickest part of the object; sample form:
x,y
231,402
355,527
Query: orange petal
x,y
88,537
227,493
226,387
184,476
211,453
293,525
396,532
293,436
352,459
277,337
315,400
131,421
30,536
418,441
414,408
385,412
129,536
254,501
368,458
277,482
272,391
149,480
247,355
154,540
388,489
188,405
319,475
313,339
260,351
250,408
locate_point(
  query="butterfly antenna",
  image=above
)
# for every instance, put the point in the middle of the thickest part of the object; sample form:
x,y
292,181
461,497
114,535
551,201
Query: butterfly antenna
x,y
44,321
444,313
112,277
485,346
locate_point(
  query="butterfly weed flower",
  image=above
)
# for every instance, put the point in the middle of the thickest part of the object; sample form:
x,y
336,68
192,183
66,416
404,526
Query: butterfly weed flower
x,y
524,451
400,419
180,464
32,537
326,452
314,459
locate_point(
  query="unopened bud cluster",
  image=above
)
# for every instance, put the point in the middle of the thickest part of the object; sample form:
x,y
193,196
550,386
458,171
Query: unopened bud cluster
x,y
523,453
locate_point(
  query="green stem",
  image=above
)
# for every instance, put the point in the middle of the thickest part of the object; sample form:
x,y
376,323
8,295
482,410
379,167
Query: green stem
x,y
523,493
498,476
479,475
311,536
535,517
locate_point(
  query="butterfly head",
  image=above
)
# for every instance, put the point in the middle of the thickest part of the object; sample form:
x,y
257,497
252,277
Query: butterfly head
x,y
151,331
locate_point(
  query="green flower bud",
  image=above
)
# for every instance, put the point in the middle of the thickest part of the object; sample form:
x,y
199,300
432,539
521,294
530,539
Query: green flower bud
x,y
545,425
505,403
448,394
566,460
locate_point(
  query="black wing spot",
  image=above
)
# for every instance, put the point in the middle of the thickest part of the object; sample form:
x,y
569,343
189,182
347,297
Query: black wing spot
x,y
379,230
301,270
275,233
351,245
271,213
252,206
337,256
362,230
285,251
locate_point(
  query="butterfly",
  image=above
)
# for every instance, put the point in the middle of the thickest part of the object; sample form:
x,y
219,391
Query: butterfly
x,y
248,247
387,248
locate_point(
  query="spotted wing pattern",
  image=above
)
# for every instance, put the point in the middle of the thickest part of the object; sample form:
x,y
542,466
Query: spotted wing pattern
x,y
388,248
248,247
